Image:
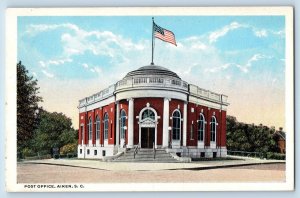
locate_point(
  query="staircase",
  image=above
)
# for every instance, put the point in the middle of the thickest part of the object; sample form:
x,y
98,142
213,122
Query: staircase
x,y
146,155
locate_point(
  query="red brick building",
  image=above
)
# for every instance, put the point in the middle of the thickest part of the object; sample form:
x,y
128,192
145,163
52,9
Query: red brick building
x,y
152,107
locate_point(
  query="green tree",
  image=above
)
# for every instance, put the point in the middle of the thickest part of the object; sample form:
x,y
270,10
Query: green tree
x,y
54,130
27,106
249,137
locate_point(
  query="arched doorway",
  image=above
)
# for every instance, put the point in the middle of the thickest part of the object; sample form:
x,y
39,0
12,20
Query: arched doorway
x,y
148,128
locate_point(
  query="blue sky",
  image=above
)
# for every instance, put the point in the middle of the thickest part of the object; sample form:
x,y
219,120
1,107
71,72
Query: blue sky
x,y
240,56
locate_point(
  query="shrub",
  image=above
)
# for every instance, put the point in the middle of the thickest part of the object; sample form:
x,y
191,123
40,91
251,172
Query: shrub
x,y
277,156
68,148
27,152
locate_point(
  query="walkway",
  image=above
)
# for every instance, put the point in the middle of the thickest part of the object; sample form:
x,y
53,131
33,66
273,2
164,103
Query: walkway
x,y
142,166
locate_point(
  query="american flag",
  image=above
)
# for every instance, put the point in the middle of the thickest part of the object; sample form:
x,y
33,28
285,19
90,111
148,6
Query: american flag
x,y
163,34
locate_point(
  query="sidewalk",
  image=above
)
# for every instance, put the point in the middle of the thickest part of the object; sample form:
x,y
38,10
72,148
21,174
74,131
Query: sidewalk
x,y
125,166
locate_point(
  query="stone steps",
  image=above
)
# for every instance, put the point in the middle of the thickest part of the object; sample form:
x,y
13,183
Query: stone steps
x,y
146,155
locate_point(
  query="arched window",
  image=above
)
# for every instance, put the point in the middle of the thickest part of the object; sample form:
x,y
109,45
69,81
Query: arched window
x,y
90,128
148,113
213,129
122,124
105,126
201,127
176,125
97,128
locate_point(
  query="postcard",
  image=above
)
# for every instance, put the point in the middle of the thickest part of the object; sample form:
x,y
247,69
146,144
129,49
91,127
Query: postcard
x,y
149,99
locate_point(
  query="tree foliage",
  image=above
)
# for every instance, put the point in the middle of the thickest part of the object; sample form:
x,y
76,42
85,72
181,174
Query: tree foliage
x,y
54,130
249,137
38,131
27,106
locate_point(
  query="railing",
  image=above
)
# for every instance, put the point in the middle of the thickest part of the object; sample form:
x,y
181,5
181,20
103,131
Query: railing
x,y
154,151
136,149
197,91
245,154
152,81
98,96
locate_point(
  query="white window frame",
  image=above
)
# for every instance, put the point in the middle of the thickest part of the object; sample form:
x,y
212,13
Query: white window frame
x,y
97,123
199,128
213,130
122,124
106,126
179,120
90,129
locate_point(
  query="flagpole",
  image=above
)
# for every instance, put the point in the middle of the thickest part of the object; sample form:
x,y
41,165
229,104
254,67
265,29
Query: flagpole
x,y
152,63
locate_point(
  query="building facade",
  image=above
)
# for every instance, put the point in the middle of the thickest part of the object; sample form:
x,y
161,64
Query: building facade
x,y
152,107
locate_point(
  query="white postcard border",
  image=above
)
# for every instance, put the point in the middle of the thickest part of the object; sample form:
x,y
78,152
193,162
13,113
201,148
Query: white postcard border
x,y
10,96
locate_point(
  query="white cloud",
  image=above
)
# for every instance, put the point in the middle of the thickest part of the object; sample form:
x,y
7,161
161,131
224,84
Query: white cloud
x,y
280,33
223,67
261,33
85,65
228,77
45,64
49,75
214,36
96,69
34,29
103,43
34,74
79,41
42,63
59,61
243,68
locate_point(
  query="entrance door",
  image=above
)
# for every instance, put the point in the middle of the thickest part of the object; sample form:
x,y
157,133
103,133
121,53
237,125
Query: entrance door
x,y
147,137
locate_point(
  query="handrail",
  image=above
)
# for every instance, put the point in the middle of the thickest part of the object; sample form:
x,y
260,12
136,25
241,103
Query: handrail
x,y
154,151
135,151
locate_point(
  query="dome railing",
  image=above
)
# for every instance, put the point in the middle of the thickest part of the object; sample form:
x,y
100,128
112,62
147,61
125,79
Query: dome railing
x,y
155,82
152,82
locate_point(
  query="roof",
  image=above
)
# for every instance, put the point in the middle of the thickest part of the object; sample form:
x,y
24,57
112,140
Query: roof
x,y
152,70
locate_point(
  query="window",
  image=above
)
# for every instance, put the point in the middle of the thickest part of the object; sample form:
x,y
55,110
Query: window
x,y
201,128
122,124
81,130
148,113
214,154
95,152
80,151
176,125
106,126
202,154
103,153
97,128
88,151
90,129
213,129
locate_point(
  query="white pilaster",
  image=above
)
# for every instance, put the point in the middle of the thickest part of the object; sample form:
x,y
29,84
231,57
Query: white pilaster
x,y
130,123
166,123
184,123
117,124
